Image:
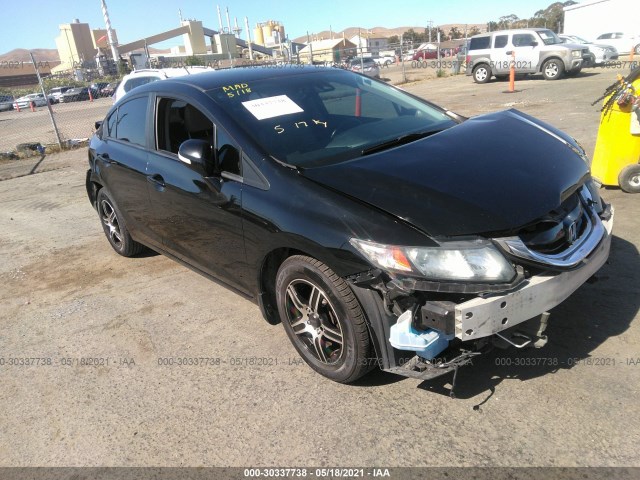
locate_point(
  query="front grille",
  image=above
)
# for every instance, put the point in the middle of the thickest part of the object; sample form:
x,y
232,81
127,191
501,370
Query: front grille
x,y
561,239
558,230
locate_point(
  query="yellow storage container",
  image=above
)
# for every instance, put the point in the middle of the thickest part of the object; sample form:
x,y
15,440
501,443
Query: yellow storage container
x,y
617,154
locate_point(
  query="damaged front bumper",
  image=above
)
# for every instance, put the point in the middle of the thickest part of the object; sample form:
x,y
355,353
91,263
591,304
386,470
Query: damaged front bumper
x,y
484,316
466,326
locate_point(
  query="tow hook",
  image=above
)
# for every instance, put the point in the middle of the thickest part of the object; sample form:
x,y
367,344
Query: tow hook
x,y
527,334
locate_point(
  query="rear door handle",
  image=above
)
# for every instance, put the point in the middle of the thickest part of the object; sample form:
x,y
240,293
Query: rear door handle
x,y
156,180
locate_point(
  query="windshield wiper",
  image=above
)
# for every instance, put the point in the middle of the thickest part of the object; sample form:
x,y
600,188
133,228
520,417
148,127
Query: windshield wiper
x,y
401,140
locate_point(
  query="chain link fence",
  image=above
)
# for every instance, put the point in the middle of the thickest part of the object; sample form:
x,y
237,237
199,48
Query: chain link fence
x,y
56,113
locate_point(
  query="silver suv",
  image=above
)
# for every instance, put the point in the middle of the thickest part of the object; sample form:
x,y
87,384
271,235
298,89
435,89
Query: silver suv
x,y
537,50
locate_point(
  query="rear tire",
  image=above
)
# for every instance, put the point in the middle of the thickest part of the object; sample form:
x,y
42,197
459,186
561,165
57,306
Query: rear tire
x,y
115,228
482,73
553,69
323,319
629,179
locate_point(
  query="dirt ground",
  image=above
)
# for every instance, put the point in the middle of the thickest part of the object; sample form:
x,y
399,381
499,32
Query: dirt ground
x,y
86,337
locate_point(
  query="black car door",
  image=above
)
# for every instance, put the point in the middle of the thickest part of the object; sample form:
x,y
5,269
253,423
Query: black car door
x,y
198,216
122,161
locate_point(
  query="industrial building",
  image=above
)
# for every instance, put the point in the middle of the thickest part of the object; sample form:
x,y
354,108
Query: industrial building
x,y
591,18
370,45
78,44
329,50
269,33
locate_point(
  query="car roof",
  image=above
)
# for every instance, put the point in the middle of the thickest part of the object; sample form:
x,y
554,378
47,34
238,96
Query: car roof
x,y
209,80
166,72
515,30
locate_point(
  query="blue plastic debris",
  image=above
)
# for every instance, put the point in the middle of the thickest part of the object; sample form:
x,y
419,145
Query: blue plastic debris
x,y
427,344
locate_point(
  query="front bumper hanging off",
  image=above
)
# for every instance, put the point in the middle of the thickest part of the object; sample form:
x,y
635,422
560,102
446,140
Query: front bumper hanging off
x,y
478,319
484,316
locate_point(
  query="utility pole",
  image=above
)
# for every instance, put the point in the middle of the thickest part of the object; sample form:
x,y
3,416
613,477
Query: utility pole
x,y
228,21
112,43
246,25
53,120
430,27
220,19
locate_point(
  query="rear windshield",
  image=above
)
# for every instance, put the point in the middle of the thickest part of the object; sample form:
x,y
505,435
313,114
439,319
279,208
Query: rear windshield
x,y
137,82
324,117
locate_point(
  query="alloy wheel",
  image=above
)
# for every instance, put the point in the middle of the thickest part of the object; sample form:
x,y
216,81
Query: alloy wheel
x,y
110,220
314,321
551,69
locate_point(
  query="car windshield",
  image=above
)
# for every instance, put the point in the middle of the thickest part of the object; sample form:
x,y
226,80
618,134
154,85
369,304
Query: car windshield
x,y
320,118
549,37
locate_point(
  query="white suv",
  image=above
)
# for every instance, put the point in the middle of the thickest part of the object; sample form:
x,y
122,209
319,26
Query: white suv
x,y
148,75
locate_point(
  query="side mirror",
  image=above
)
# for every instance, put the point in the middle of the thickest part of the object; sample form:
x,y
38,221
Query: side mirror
x,y
198,155
98,124
534,44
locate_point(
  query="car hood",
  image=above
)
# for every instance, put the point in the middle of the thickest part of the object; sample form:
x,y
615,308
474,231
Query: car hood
x,y
601,45
491,173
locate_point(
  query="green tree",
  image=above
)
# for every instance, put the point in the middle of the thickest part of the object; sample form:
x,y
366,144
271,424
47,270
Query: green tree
x,y
455,33
492,26
193,61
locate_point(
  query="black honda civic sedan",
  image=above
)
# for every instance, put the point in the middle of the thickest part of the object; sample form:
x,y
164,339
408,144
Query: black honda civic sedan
x,y
378,228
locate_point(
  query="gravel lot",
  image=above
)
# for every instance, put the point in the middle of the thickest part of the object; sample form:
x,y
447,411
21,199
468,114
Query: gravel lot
x,y
66,296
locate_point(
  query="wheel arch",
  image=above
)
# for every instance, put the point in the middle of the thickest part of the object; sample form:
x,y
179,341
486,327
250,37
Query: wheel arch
x,y
93,186
267,299
551,57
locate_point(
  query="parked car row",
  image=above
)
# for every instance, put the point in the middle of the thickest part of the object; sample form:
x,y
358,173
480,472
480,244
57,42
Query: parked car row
x,y
62,94
35,99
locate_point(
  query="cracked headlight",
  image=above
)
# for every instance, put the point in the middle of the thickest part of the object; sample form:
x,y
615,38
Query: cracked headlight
x,y
468,261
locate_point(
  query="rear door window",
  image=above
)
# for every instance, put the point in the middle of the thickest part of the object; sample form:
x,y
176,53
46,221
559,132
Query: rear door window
x,y
131,125
500,41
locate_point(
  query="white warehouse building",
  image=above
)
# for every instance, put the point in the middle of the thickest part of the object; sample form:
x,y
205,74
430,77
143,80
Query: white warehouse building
x,y
591,18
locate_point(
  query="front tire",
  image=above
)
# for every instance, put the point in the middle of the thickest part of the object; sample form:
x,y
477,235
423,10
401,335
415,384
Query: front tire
x,y
482,73
115,228
553,69
629,179
323,319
